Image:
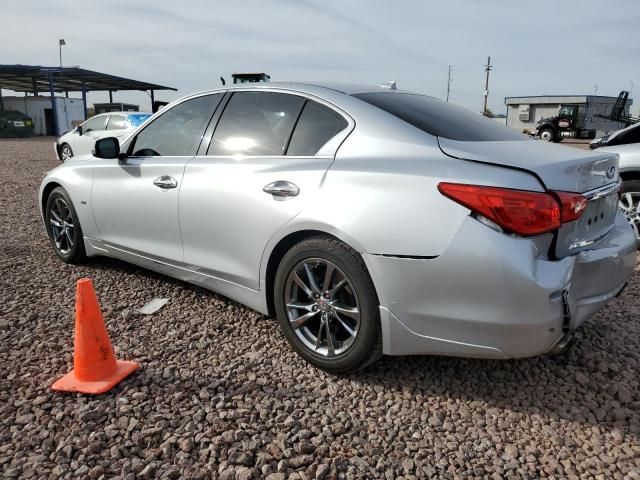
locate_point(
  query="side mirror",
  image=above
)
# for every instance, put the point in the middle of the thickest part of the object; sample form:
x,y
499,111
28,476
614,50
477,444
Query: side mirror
x,y
107,148
79,129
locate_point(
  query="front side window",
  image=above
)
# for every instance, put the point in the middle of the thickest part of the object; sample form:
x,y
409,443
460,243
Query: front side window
x,y
94,124
567,111
256,123
317,125
116,122
178,131
440,118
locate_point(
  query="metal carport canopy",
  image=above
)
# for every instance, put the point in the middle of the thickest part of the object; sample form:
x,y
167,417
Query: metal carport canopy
x,y
36,78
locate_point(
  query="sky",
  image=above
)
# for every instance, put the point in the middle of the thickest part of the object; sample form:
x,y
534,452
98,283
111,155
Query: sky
x,y
536,48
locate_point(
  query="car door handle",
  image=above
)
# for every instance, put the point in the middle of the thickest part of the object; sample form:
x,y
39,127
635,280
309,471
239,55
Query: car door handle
x,y
282,188
165,181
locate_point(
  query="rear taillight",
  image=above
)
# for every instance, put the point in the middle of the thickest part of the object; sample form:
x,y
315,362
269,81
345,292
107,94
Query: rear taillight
x,y
571,205
516,211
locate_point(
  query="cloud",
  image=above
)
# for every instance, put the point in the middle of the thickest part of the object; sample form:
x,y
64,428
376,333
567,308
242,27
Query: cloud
x,y
541,47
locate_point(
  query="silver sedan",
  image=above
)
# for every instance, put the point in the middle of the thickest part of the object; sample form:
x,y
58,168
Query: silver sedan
x,y
368,220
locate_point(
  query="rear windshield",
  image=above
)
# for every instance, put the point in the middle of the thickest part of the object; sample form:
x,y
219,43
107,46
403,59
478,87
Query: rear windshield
x,y
137,119
440,118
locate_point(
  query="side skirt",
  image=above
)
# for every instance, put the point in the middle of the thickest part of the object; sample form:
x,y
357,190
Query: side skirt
x,y
253,299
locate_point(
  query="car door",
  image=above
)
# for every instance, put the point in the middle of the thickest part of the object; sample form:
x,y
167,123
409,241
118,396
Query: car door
x,y
135,200
91,130
238,194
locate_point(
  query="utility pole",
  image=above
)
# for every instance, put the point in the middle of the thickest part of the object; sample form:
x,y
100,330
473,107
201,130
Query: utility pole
x,y
61,43
449,80
487,68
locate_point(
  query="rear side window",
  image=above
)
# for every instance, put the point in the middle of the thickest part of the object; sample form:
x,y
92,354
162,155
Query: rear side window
x,y
138,119
178,131
440,118
317,125
116,122
256,123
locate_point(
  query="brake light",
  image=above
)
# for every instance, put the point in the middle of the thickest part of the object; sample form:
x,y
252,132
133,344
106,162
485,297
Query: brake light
x,y
571,205
517,211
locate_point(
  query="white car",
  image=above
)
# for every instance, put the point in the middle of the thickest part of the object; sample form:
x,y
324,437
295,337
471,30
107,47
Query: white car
x,y
80,140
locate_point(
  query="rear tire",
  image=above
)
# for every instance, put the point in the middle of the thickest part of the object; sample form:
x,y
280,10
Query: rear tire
x,y
327,283
63,227
630,205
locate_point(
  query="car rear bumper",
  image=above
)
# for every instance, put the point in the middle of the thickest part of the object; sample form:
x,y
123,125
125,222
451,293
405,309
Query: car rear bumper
x,y
496,296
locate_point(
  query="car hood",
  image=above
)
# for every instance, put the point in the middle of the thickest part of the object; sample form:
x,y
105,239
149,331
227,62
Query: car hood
x,y
557,167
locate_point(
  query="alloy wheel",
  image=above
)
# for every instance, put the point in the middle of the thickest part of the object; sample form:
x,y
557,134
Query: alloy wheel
x,y
630,205
322,307
61,221
66,153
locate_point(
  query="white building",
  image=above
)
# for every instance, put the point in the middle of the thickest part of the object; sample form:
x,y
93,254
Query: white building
x,y
524,112
70,112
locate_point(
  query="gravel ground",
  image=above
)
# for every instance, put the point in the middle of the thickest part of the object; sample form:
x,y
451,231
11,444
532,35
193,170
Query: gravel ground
x,y
221,395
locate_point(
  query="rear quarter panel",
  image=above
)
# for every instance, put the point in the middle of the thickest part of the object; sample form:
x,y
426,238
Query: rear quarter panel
x,y
380,195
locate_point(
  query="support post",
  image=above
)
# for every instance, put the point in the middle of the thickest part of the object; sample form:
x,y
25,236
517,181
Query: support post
x,y
35,86
54,108
110,96
153,100
84,100
1,100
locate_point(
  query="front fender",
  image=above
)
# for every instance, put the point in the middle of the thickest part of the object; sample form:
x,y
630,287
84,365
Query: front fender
x,y
77,181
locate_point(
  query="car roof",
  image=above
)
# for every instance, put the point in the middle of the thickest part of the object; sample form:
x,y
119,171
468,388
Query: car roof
x,y
126,114
311,87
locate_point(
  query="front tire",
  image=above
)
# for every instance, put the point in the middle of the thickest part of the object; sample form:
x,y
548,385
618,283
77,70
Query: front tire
x,y
327,306
630,205
63,227
65,152
547,135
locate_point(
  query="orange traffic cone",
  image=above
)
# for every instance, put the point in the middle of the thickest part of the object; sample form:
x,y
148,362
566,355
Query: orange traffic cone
x,y
95,368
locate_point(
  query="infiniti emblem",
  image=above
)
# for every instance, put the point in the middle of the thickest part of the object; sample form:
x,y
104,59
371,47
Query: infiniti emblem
x,y
611,172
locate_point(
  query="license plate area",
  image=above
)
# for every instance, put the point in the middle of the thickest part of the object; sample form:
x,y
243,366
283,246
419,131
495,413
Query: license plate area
x,y
595,222
18,123
598,217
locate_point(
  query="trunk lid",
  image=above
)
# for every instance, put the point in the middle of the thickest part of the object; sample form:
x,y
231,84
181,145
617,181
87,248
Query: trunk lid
x,y
594,174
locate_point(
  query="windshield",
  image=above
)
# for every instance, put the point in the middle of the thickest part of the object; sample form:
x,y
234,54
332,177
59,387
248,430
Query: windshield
x,y
566,111
137,119
440,118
